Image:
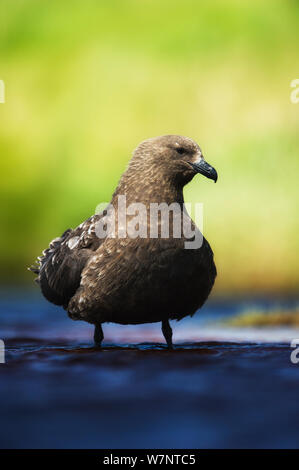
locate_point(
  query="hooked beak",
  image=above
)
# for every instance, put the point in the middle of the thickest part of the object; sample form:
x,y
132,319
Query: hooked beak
x,y
205,169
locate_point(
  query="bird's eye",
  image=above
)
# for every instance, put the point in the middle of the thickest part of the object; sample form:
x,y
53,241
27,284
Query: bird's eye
x,y
180,150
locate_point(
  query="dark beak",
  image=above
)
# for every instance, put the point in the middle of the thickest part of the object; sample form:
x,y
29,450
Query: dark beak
x,y
205,169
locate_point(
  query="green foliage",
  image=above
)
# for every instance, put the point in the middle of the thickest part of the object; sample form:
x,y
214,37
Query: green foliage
x,y
87,81
260,319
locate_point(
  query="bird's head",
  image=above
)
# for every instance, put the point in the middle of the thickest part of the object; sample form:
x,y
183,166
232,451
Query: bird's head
x,y
172,157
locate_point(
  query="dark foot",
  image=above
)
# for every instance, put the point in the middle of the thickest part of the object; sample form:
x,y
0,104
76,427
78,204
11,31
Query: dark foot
x,y
98,335
167,332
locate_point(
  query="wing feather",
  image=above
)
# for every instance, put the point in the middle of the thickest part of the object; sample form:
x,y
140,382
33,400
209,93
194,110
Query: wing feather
x,y
60,266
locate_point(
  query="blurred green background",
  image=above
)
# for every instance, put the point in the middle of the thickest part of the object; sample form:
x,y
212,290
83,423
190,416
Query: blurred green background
x,y
86,81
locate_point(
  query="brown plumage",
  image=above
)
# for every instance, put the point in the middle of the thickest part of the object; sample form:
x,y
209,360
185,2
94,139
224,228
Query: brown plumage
x,y
134,280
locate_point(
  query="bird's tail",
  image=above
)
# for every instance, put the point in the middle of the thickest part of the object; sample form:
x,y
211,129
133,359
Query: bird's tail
x,y
43,265
42,260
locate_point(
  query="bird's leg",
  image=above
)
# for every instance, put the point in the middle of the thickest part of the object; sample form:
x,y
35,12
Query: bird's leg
x,y
167,332
98,335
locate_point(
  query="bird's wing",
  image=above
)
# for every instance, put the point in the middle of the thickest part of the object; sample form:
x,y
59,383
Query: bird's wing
x,y
60,266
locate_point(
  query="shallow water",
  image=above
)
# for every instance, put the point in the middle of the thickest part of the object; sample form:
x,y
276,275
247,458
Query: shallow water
x,y
220,387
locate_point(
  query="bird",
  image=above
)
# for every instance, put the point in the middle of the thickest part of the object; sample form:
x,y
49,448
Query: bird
x,y
102,275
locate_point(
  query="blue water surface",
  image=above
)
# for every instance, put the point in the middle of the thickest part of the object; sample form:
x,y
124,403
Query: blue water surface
x,y
58,391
